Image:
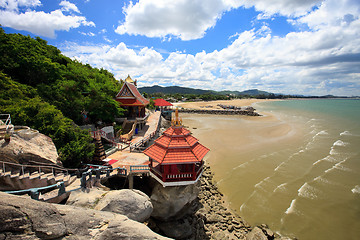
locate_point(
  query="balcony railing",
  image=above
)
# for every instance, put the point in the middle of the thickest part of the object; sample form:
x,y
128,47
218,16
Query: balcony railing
x,y
173,177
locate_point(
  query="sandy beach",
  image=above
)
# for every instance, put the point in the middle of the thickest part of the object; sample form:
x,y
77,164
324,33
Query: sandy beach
x,y
214,104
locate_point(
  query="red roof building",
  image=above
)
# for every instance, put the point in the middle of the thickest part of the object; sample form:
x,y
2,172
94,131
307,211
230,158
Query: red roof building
x,y
162,103
131,99
176,158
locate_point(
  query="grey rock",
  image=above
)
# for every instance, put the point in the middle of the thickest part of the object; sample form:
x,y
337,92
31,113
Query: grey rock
x,y
47,221
256,234
134,204
173,202
178,229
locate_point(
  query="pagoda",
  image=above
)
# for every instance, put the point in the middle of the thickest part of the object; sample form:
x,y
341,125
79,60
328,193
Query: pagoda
x,y
176,158
131,99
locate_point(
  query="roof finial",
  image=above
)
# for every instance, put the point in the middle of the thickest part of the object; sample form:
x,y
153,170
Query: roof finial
x,y
177,122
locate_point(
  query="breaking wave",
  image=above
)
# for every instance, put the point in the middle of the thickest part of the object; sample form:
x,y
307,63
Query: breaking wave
x,y
356,189
291,208
307,191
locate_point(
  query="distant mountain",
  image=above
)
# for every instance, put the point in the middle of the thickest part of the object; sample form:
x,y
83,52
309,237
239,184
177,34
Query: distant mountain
x,y
254,92
173,90
184,90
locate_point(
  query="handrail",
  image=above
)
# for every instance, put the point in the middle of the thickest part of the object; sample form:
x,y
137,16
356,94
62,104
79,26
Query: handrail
x,y
7,121
35,189
35,166
134,168
147,137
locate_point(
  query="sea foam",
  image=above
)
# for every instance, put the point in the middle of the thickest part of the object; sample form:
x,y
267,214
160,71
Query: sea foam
x,y
291,208
307,191
356,189
280,188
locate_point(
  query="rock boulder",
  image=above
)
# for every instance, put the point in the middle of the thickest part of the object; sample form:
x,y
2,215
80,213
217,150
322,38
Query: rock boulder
x,y
134,204
173,202
23,218
28,144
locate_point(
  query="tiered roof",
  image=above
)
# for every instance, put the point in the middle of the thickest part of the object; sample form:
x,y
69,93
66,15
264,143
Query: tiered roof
x,y
176,145
129,95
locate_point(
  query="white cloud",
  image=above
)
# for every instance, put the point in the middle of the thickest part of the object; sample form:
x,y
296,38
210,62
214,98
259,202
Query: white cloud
x,y
190,19
39,22
283,7
332,13
322,60
185,19
68,7
14,5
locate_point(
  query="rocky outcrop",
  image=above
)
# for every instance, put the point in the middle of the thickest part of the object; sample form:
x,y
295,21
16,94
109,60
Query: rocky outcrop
x,y
208,217
132,203
172,202
22,218
28,144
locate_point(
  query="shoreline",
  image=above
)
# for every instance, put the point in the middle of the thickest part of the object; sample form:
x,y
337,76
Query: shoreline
x,y
219,221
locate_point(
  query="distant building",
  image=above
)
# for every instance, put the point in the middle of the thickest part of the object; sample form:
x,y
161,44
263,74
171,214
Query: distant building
x,y
176,158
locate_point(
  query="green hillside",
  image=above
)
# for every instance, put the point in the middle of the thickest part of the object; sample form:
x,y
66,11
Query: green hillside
x,y
183,90
173,90
46,90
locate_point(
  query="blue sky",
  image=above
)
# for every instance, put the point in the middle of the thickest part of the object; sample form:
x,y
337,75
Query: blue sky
x,y
309,47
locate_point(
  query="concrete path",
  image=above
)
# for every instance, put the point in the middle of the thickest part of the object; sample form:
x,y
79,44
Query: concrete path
x,y
126,158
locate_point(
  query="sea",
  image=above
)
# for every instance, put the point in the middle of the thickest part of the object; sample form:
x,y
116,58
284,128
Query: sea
x,y
296,169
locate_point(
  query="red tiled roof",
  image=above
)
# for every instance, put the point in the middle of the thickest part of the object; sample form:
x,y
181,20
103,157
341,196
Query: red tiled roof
x,y
161,103
171,131
135,100
176,145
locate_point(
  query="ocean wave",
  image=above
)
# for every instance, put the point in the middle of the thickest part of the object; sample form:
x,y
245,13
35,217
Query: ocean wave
x,y
356,189
243,165
258,185
280,188
346,133
323,180
307,191
323,132
279,166
340,143
291,208
339,166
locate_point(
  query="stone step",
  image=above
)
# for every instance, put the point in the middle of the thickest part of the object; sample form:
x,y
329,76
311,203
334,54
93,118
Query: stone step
x,y
35,175
15,175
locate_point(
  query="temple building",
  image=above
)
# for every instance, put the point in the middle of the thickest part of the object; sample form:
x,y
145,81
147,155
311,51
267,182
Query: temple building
x,y
131,99
176,158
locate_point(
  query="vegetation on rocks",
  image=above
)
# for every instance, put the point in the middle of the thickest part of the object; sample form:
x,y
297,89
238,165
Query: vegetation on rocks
x,y
47,91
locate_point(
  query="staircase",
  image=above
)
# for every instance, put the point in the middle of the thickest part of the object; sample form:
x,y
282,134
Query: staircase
x,y
14,177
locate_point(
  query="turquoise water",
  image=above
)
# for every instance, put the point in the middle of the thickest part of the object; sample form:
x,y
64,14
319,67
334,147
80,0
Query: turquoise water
x,y
318,178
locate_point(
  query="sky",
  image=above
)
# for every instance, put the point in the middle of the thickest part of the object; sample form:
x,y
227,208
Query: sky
x,y
308,47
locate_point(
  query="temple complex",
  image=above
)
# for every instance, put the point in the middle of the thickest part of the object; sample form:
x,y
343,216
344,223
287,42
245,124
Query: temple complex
x,y
131,100
176,158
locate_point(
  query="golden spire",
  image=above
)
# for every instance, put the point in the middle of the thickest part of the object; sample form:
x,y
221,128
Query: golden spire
x,y
177,122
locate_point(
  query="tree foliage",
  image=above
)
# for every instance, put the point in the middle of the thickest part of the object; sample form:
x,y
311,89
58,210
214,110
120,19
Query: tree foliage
x,y
48,91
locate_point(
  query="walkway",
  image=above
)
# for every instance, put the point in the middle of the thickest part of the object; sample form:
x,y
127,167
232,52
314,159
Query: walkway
x,y
126,158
